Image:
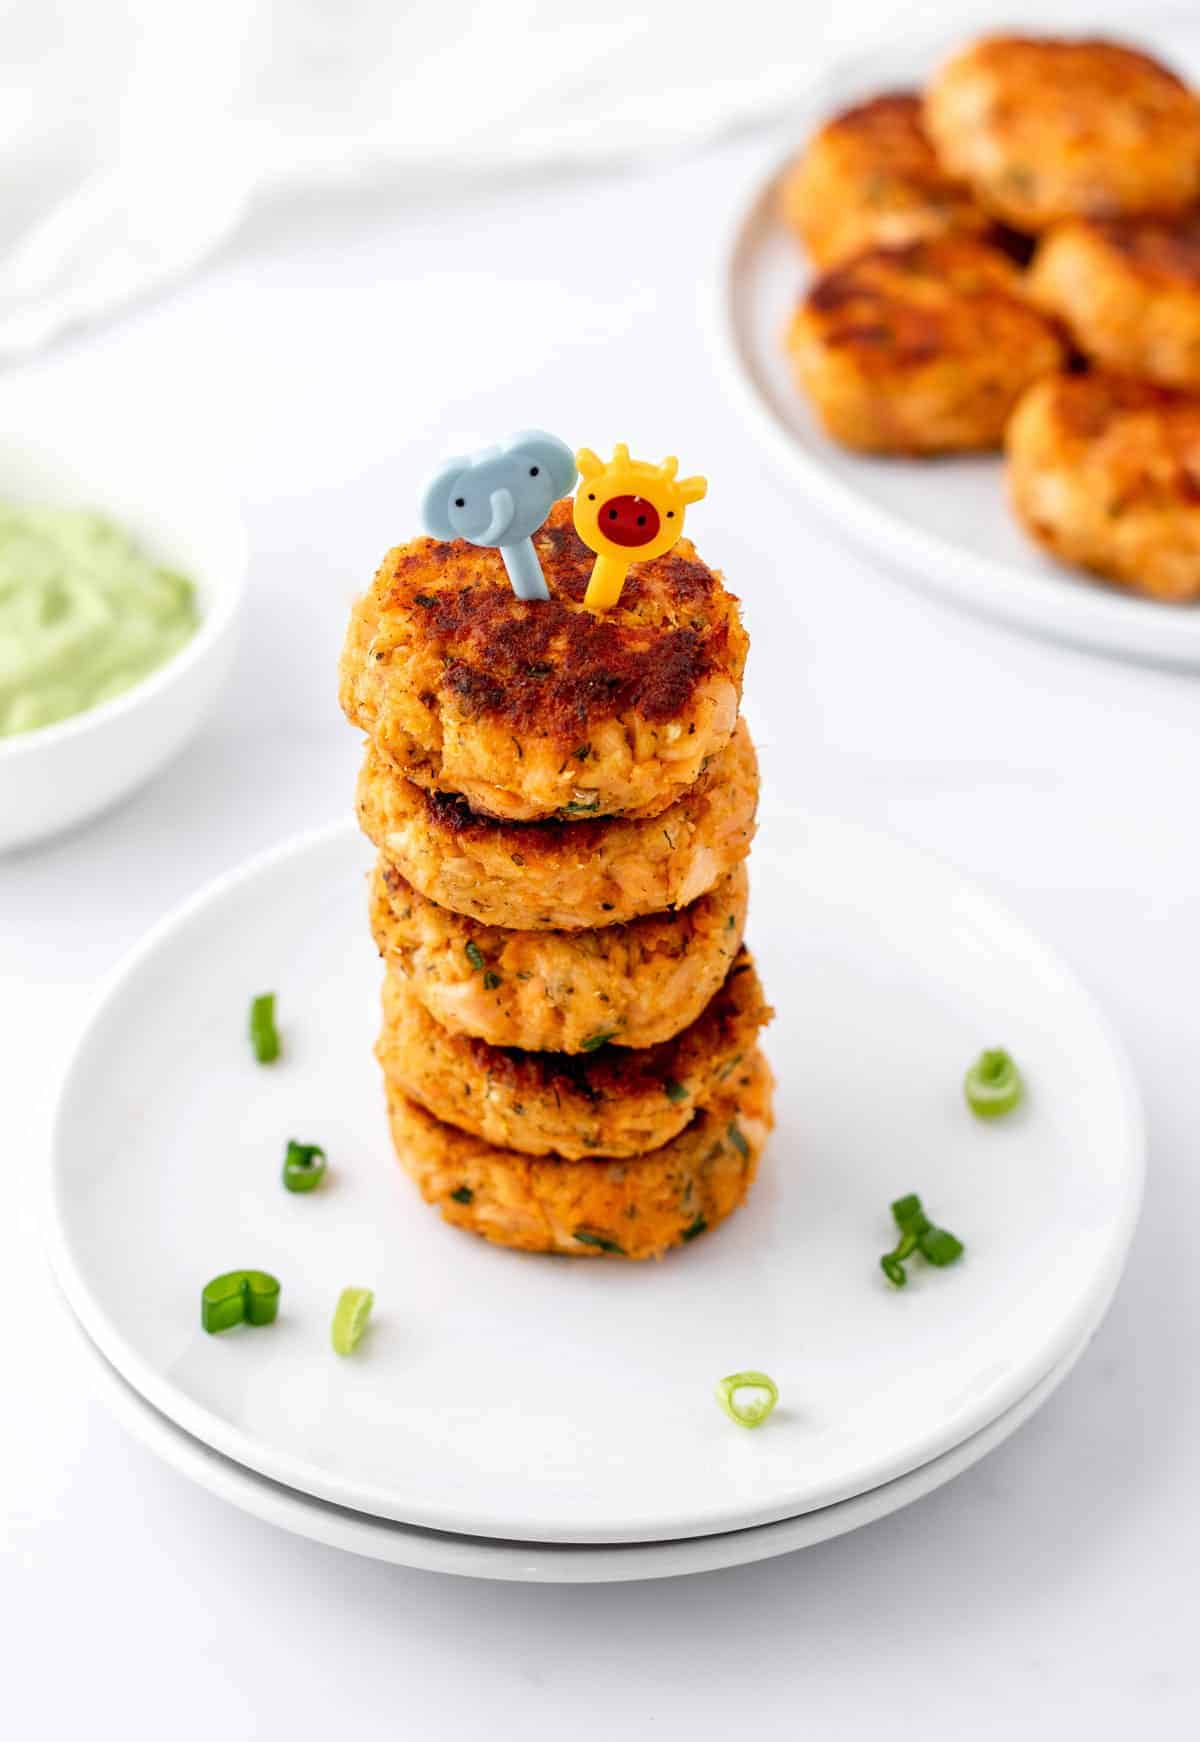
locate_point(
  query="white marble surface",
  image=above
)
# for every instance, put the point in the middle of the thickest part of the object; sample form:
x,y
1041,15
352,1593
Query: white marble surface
x,y
330,354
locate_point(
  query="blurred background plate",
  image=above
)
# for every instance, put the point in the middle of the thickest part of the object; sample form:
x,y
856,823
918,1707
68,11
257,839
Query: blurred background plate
x,y
505,1396
944,524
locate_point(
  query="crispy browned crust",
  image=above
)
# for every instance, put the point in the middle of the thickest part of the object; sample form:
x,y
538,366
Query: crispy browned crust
x,y
557,875
1105,472
543,708
1049,128
555,990
610,1100
1129,290
634,1208
923,348
870,177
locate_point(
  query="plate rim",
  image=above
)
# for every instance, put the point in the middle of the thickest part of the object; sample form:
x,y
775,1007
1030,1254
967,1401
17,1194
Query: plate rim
x,y
1091,616
429,1550
234,1443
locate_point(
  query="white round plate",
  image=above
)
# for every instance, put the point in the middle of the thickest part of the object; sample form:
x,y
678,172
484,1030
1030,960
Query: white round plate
x,y
544,1400
478,1557
945,523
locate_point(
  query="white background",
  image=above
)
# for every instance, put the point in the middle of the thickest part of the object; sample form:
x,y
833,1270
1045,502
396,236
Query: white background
x,y
329,355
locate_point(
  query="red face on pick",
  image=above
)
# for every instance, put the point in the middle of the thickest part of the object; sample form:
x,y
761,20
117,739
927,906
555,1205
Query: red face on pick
x,y
629,520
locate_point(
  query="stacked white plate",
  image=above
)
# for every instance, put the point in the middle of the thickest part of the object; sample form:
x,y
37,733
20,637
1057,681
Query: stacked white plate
x,y
523,1418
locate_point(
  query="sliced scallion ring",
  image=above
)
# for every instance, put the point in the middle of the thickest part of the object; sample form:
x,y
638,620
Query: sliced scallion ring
x,y
350,1319
248,1297
264,1036
753,1411
303,1166
993,1085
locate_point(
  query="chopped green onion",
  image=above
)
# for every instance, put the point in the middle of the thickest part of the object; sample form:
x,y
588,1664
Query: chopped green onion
x,y
735,1136
586,1238
462,1194
597,1040
350,1319
756,1410
490,981
264,1036
240,1297
696,1227
473,953
674,1091
303,1166
993,1085
917,1234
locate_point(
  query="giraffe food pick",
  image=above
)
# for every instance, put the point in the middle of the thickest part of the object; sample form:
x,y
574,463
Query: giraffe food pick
x,y
499,497
628,511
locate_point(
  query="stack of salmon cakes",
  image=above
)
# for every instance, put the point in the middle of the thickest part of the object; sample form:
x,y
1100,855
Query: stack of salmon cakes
x,y
562,804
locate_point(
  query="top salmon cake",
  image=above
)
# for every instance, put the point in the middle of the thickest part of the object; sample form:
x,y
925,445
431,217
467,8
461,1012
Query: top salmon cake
x,y
533,709
1044,129
870,178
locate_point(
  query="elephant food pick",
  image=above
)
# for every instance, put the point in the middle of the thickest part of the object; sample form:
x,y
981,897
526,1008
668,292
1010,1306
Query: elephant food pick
x,y
628,511
499,497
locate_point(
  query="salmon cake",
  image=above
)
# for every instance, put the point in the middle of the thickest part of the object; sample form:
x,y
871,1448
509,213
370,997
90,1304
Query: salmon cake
x,y
606,1101
1129,290
555,991
871,178
561,876
639,1207
1044,129
921,349
1104,471
545,709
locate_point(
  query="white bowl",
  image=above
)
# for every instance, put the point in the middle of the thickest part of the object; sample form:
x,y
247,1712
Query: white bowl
x,y
57,775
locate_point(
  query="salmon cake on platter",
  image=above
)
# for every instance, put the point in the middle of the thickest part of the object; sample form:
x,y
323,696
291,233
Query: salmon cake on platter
x,y
1044,128
634,1208
535,709
871,178
1104,472
1129,291
608,1100
565,876
920,349
556,991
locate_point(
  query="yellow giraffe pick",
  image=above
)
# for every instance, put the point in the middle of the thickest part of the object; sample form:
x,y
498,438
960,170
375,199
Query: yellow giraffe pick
x,y
628,511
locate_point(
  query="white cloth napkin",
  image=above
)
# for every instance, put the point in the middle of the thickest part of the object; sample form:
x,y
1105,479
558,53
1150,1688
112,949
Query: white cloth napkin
x,y
135,136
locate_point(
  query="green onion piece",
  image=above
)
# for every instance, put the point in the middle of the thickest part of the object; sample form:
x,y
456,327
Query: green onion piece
x,y
264,1036
240,1297
597,1040
893,1269
674,1091
462,1194
940,1247
734,1133
490,981
908,1215
350,1319
474,954
303,1166
586,1238
993,1085
754,1411
694,1228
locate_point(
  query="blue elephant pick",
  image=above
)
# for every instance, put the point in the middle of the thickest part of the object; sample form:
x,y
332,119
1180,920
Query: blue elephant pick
x,y
499,497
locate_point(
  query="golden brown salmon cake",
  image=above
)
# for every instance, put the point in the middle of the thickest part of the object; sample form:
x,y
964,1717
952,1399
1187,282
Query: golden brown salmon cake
x,y
1129,290
923,349
638,1207
1105,472
554,991
564,876
1044,129
545,709
608,1100
870,178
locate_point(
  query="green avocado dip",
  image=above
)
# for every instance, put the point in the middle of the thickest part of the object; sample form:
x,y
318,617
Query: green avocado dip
x,y
84,614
